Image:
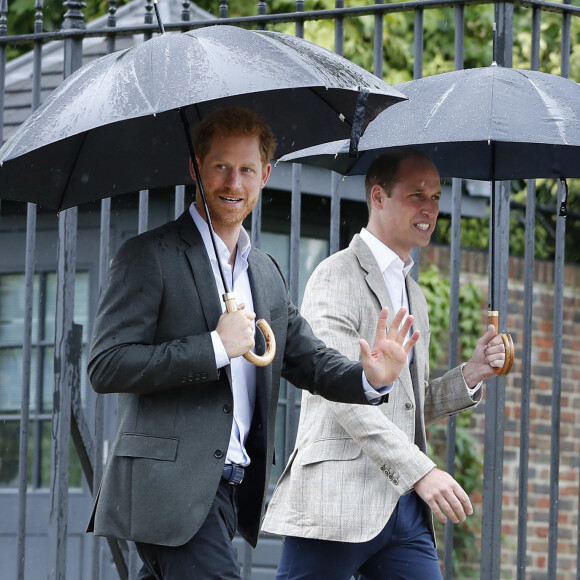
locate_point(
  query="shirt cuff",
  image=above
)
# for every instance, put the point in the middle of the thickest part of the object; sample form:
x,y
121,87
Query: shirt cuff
x,y
470,390
219,350
374,396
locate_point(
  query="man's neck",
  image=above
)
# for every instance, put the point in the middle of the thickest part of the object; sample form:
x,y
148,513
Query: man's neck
x,y
376,232
229,234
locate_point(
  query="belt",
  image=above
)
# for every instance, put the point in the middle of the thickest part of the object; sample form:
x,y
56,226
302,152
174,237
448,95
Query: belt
x,y
233,474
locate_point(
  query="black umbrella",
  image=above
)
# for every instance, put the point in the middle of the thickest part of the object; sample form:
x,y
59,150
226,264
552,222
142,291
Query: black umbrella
x,y
122,122
489,124
115,125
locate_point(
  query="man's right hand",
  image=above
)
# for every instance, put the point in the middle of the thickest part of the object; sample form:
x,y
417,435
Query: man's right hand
x,y
236,330
383,364
444,496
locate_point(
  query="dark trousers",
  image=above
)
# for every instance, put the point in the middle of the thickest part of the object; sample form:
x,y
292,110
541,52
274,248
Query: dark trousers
x,y
404,550
209,555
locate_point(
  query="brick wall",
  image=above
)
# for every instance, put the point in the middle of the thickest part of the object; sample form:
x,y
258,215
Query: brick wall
x,y
474,268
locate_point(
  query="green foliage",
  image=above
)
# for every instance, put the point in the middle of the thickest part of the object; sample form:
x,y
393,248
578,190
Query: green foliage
x,y
475,232
22,14
468,463
438,293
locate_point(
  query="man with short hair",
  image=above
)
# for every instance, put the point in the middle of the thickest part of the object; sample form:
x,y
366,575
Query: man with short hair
x,y
357,494
192,454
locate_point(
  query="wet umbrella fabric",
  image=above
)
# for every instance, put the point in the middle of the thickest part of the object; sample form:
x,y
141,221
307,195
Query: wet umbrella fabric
x,y
114,126
488,124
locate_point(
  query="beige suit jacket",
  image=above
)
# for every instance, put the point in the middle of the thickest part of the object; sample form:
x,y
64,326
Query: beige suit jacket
x,y
351,463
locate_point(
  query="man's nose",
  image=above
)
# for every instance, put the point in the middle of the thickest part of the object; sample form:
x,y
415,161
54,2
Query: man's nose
x,y
431,208
232,179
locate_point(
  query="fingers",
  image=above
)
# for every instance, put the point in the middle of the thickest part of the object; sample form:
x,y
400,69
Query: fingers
x,y
496,361
247,313
459,505
489,333
444,496
495,352
412,341
364,348
491,347
452,508
381,325
400,328
236,330
489,337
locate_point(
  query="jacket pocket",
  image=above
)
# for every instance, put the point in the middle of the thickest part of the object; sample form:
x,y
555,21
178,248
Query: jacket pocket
x,y
329,450
147,446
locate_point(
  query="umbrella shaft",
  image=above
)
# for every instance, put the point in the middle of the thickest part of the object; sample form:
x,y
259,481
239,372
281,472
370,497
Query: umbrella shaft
x,y
158,16
201,192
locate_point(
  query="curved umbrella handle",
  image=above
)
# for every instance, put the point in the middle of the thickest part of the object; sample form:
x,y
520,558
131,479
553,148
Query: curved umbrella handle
x,y
508,343
268,356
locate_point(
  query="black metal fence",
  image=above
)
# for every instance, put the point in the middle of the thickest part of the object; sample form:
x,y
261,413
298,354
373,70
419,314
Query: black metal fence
x,y
67,414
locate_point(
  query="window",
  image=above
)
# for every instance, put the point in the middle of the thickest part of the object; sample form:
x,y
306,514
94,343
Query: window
x,y
12,317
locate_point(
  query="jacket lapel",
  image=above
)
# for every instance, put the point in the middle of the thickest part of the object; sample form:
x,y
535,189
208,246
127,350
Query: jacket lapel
x,y
201,270
211,301
376,284
421,323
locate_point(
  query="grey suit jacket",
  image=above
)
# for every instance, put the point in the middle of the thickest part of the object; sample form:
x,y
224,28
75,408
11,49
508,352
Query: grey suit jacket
x,y
152,345
351,464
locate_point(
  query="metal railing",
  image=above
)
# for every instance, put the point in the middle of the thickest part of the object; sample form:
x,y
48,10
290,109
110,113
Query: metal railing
x,y
68,414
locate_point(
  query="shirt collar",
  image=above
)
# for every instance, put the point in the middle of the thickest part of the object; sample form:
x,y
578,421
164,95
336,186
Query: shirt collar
x,y
384,256
243,245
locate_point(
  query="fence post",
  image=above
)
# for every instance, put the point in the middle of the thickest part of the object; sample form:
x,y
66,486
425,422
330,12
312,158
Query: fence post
x,y
67,342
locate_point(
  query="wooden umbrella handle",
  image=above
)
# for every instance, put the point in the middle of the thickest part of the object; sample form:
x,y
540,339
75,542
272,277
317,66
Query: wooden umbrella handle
x,y
508,343
268,356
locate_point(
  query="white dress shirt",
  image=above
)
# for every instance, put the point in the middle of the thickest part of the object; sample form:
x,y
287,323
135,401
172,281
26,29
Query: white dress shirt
x,y
394,272
243,373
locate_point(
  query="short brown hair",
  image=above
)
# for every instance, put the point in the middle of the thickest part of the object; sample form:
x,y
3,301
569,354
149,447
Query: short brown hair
x,y
384,170
232,122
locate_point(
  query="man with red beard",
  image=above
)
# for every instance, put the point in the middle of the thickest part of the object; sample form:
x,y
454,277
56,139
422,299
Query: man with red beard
x,y
194,446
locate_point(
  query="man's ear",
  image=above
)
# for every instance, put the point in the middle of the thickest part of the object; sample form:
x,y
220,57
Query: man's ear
x,y
377,193
266,174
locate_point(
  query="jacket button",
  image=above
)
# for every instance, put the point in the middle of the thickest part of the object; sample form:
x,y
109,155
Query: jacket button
x,y
227,408
395,481
218,453
408,406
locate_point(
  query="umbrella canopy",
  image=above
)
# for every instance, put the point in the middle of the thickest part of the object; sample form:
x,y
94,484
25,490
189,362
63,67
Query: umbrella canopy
x,y
115,125
489,123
